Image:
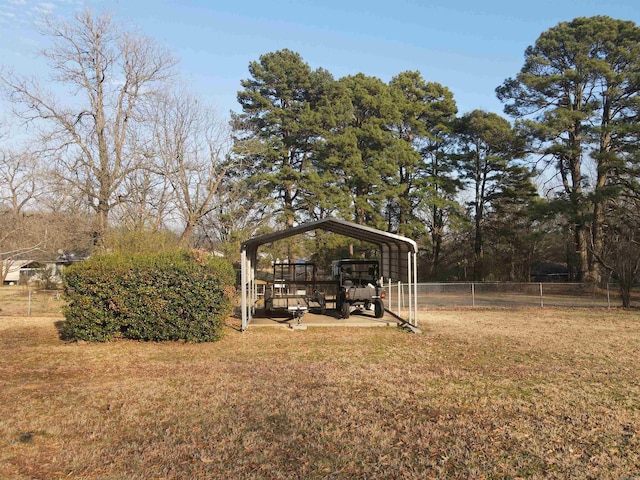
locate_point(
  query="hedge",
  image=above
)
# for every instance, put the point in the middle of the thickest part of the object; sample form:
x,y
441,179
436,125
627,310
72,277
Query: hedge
x,y
183,295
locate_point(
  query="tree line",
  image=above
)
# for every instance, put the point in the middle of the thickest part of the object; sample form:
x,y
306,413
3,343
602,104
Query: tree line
x,y
123,150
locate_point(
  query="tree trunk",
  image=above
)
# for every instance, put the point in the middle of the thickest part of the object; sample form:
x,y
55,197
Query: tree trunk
x,y
435,252
597,234
289,212
597,242
436,240
478,251
574,189
102,223
186,233
625,296
581,252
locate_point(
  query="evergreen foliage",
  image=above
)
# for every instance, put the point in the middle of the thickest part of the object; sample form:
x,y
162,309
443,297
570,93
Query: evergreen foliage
x,y
281,124
180,295
424,109
579,96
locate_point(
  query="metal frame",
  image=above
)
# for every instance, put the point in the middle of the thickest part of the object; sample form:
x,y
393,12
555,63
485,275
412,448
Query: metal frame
x,y
398,259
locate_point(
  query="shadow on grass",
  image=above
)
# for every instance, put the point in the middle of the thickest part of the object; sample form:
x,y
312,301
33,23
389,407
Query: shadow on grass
x,y
61,333
65,338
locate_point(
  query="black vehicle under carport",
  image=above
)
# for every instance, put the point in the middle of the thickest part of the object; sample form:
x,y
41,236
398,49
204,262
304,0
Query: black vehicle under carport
x,y
358,285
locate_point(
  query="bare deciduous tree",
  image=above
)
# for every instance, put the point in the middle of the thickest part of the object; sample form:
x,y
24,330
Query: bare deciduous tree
x,y
620,254
147,206
20,183
110,76
238,215
19,187
193,144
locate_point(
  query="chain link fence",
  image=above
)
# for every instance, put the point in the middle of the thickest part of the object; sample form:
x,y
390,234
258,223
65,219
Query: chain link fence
x,y
507,295
28,301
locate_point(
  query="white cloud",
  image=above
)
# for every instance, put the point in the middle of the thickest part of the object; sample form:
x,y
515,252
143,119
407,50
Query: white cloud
x,y
7,17
45,7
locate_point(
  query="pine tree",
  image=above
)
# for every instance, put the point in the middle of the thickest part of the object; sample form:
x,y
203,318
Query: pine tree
x,y
579,91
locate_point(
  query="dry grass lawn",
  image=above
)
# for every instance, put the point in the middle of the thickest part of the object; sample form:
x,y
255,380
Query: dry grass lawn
x,y
481,394
20,300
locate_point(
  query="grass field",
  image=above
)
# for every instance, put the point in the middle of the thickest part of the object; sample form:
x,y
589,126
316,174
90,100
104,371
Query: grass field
x,y
536,393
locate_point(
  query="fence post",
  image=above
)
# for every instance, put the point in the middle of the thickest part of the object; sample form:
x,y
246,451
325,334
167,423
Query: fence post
x,y
608,297
29,303
473,294
541,297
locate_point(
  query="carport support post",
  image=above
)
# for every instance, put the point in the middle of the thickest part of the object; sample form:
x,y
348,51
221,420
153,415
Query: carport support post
x,y
409,279
254,294
243,288
415,292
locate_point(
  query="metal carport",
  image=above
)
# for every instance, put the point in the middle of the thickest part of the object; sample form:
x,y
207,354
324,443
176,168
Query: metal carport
x,y
398,256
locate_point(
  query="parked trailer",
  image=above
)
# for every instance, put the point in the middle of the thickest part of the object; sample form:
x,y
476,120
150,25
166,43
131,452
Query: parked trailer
x,y
294,291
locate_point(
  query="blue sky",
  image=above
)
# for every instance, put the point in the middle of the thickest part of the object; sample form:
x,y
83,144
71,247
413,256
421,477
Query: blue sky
x,y
470,47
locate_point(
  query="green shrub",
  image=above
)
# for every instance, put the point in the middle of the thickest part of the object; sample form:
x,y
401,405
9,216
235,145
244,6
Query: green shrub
x,y
133,242
168,296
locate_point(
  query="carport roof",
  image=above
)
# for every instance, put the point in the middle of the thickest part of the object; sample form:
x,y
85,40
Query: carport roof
x,y
341,227
393,248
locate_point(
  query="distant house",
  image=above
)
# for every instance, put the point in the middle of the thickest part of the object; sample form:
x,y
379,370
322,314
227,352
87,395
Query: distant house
x,y
41,267
13,273
26,271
